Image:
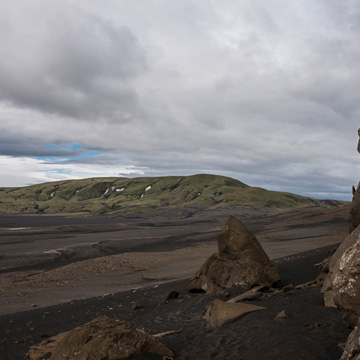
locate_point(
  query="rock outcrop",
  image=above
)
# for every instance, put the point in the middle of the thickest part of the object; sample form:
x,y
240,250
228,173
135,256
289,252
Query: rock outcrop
x,y
103,338
241,261
354,218
342,285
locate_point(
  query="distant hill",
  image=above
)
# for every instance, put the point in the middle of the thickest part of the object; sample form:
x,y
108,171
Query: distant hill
x,y
129,195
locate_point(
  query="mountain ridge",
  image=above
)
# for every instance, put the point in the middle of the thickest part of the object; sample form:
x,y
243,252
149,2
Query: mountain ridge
x,y
120,195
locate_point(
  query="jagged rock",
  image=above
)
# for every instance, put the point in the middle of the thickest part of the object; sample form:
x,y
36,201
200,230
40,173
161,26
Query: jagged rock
x,y
332,265
354,217
46,347
241,261
201,281
219,312
103,338
342,285
352,346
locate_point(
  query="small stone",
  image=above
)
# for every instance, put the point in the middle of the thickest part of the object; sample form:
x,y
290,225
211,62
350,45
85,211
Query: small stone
x,y
222,295
136,306
281,315
310,327
288,287
171,295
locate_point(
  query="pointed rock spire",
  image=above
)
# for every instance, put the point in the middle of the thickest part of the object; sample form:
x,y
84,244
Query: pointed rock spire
x,y
241,261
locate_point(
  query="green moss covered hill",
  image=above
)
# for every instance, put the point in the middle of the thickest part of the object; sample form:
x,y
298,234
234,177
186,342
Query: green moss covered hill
x,y
128,195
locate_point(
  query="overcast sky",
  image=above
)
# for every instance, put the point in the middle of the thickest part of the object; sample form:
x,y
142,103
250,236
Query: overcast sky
x,y
267,92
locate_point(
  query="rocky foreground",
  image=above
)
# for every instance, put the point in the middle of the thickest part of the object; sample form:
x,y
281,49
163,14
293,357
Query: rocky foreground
x,y
265,318
283,319
307,329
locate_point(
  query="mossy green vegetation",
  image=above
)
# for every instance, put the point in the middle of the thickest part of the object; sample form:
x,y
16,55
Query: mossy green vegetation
x,y
129,195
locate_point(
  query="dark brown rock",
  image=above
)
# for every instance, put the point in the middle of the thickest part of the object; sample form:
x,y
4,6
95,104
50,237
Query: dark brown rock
x,y
171,295
136,306
200,281
46,347
103,338
241,261
342,285
236,242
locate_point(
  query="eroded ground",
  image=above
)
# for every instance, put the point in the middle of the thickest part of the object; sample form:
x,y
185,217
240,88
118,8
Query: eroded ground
x,y
50,260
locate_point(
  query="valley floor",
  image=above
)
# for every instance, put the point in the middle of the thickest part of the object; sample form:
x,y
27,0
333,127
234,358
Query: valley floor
x,y
57,273
50,260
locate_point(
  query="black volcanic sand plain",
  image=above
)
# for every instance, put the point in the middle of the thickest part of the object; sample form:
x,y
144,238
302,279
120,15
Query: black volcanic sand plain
x,y
57,273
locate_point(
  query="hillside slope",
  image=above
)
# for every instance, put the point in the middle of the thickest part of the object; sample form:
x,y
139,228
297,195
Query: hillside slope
x,y
127,195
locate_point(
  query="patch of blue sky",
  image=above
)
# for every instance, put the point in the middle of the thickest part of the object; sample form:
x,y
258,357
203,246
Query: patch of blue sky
x,y
68,158
88,154
56,171
66,146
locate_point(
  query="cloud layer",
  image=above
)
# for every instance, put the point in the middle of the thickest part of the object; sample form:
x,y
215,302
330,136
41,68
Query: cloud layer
x,y
263,92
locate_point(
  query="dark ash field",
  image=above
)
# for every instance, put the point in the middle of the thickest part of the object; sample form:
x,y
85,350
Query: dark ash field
x,y
59,272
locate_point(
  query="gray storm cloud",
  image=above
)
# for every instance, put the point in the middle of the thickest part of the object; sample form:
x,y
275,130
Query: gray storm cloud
x,y
69,62
264,92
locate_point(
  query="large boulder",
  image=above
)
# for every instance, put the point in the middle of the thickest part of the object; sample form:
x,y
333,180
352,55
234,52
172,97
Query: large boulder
x,y
342,285
241,261
333,265
103,338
